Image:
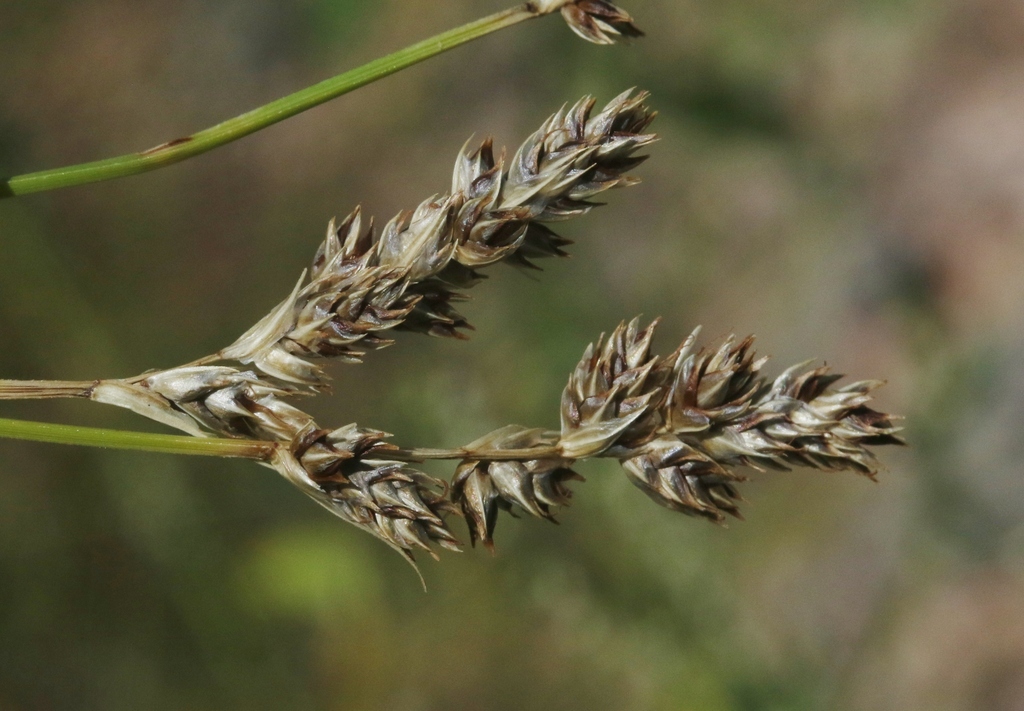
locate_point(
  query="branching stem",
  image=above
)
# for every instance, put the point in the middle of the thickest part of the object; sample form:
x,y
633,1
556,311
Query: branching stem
x,y
180,149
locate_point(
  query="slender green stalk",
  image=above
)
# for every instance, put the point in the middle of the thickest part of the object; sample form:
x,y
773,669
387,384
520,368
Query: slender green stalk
x,y
181,148
221,447
141,441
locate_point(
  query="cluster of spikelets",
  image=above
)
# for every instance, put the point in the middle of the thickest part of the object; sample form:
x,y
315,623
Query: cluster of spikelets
x,y
679,425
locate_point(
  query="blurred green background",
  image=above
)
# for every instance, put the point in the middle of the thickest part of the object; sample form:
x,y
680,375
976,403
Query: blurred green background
x,y
844,179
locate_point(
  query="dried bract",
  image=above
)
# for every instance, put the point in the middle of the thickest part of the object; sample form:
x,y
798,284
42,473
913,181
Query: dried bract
x,y
599,21
229,402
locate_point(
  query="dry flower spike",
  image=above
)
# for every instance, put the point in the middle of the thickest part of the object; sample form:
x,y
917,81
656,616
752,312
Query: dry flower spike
x,y
362,285
679,426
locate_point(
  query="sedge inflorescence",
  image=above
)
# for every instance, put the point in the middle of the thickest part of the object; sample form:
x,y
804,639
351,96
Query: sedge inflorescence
x,y
680,425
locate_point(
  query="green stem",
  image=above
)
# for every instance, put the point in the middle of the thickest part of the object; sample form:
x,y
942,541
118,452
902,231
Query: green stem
x,y
140,441
181,148
221,447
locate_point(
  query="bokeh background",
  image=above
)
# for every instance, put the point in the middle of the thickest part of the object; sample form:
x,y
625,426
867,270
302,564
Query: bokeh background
x,y
845,180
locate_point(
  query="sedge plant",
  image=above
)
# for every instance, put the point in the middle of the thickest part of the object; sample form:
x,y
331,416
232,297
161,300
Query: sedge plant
x,y
681,425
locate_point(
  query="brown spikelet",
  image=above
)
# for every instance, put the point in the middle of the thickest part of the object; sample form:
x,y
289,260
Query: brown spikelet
x,y
608,392
482,488
410,276
599,21
680,477
716,412
348,473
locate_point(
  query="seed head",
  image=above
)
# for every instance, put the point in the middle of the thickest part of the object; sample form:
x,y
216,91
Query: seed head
x,y
409,277
717,412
